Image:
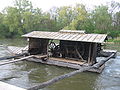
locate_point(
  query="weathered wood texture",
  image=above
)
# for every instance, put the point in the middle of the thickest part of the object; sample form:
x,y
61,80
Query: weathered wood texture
x,y
72,31
15,50
64,63
38,46
67,60
95,38
15,56
16,60
79,50
93,53
56,79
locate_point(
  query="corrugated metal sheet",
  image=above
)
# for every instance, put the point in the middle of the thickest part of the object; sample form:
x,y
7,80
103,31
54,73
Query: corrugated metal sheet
x,y
98,38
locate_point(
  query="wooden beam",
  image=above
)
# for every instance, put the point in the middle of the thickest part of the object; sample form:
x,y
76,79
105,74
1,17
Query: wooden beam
x,y
89,53
15,56
56,79
93,53
78,54
16,60
97,65
67,60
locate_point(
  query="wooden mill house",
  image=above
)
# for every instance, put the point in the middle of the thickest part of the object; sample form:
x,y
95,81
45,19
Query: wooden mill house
x,y
67,48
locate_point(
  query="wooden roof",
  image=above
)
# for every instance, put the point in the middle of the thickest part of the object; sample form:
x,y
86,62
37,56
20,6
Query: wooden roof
x,y
71,36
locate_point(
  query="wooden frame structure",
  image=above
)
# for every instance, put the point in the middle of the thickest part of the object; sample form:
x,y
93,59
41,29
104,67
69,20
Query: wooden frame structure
x,y
75,50
73,46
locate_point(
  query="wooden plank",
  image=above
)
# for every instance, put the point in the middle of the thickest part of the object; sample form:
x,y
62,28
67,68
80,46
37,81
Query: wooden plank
x,y
13,56
87,38
16,60
89,57
81,38
49,35
53,37
102,38
93,53
42,35
67,60
63,37
77,52
92,38
52,34
40,56
72,31
74,36
15,50
58,35
66,36
77,37
97,39
69,35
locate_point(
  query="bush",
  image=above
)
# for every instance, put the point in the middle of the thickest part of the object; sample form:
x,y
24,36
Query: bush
x,y
114,33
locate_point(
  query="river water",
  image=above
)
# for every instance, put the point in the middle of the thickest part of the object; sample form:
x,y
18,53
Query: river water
x,y
26,74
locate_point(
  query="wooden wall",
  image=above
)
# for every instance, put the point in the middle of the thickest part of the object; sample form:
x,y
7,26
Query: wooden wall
x,y
85,51
38,46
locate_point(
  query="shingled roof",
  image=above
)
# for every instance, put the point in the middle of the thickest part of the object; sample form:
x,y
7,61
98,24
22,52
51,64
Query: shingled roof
x,y
68,35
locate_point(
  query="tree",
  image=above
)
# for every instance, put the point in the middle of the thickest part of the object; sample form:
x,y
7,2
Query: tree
x,y
3,28
12,21
23,5
115,12
102,19
117,20
80,15
23,18
64,16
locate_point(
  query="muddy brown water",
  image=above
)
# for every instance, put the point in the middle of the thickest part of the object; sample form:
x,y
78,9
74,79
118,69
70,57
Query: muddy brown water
x,y
26,74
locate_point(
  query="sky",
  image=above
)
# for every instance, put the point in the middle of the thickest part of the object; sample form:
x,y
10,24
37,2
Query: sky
x,y
45,5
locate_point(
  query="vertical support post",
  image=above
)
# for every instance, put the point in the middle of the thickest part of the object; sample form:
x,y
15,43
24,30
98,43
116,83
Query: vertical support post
x,y
89,56
94,53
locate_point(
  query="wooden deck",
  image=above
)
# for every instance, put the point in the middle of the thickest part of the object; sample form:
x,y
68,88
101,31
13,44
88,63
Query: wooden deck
x,y
61,63
67,60
17,50
57,61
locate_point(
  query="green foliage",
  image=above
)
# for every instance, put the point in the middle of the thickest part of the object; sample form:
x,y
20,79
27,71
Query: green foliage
x,y
23,18
79,16
12,21
114,33
102,18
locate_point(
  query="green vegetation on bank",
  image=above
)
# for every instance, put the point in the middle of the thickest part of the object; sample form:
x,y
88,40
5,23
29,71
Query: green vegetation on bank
x,y
23,18
115,40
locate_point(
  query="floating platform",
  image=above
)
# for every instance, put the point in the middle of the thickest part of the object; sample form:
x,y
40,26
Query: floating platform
x,y
62,62
106,53
66,63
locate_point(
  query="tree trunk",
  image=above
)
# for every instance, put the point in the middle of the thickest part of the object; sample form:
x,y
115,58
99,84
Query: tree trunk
x,y
10,57
50,82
